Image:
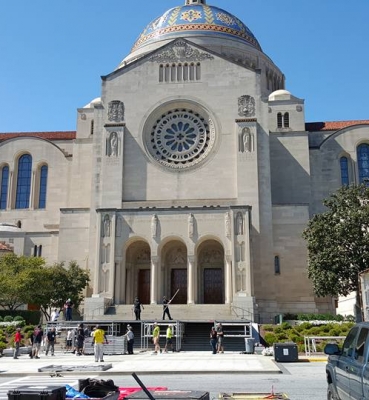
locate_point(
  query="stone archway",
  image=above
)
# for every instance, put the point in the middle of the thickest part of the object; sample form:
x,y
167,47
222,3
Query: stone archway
x,y
138,268
210,270
174,271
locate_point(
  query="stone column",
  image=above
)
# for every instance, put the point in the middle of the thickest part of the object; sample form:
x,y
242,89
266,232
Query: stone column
x,y
154,280
9,200
119,280
32,193
97,256
249,284
190,279
228,279
112,266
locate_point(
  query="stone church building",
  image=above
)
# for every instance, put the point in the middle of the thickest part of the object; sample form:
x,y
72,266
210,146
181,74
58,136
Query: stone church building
x,y
194,170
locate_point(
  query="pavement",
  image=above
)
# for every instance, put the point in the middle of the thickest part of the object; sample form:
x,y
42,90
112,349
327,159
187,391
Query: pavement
x,y
191,362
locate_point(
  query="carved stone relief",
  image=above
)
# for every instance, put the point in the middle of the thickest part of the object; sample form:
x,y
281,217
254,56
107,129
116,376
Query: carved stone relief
x,y
211,256
180,51
116,111
177,257
239,224
246,141
118,226
106,226
143,255
154,226
112,144
190,226
227,224
246,106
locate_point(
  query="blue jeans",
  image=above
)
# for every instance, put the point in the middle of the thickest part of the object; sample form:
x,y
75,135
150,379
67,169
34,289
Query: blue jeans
x,y
213,343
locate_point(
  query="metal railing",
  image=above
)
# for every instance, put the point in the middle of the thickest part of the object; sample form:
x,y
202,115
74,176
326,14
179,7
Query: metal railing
x,y
310,342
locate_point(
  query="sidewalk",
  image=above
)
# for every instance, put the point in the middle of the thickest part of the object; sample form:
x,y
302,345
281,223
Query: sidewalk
x,y
143,363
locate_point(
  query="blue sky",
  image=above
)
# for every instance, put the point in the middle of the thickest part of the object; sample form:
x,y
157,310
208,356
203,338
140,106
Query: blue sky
x,y
53,52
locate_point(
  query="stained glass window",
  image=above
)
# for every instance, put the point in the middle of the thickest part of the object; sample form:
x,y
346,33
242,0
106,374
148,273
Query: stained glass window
x,y
345,181
24,181
43,187
363,163
4,187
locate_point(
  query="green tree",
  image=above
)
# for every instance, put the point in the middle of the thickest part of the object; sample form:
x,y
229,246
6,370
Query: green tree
x,y
14,278
338,242
29,280
58,284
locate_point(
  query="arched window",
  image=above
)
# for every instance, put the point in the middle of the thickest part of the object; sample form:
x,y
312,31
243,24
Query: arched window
x,y
198,71
345,181
167,73
179,73
185,72
173,73
23,181
161,73
286,120
277,265
43,187
363,163
4,187
279,120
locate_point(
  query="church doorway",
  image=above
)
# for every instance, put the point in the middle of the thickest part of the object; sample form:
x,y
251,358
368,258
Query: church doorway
x,y
179,282
210,272
213,286
174,256
138,272
144,286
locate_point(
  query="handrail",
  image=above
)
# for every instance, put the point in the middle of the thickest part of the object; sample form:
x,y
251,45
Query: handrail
x,y
312,348
91,313
244,311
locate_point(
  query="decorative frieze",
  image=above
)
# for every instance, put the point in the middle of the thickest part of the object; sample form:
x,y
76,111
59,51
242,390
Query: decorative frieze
x,y
180,51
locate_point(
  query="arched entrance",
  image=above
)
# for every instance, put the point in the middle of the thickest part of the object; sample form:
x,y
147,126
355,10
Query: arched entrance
x,y
211,272
138,264
174,256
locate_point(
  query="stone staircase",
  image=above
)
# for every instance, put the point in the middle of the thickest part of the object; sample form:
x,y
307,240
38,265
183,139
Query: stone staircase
x,y
181,312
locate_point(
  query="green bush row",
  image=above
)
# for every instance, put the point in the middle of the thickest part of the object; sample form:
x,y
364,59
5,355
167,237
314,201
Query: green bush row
x,y
317,317
31,317
286,333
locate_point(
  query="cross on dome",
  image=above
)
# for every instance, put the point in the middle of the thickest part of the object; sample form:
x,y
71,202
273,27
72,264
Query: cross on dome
x,y
189,2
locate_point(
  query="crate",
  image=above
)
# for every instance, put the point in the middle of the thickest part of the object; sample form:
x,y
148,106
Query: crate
x,y
37,393
286,352
170,395
253,396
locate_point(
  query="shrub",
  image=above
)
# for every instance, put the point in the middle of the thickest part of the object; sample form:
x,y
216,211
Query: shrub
x,y
268,328
270,338
18,318
286,325
1,318
8,318
290,317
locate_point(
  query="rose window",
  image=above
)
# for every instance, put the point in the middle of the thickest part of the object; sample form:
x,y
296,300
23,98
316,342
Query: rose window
x,y
180,138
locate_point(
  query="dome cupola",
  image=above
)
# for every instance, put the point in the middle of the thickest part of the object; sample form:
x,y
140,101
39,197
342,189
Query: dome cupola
x,y
196,21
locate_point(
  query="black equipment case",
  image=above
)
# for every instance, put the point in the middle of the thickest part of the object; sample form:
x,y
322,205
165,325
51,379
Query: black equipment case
x,y
37,393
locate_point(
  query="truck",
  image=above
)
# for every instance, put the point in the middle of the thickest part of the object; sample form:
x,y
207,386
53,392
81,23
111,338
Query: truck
x,y
347,368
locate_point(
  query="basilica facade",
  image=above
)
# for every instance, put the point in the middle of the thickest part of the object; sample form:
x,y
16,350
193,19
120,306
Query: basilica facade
x,y
193,173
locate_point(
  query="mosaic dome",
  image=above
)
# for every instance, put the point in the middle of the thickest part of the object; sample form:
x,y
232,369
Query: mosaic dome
x,y
194,20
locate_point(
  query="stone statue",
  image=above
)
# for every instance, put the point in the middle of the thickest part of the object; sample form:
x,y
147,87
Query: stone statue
x,y
190,226
227,222
247,140
154,226
106,226
239,224
113,144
